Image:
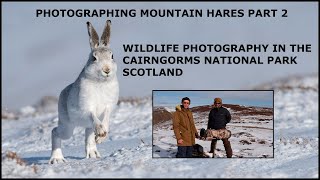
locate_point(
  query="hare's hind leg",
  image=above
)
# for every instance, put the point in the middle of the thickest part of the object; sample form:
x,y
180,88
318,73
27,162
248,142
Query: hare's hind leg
x,y
63,131
91,147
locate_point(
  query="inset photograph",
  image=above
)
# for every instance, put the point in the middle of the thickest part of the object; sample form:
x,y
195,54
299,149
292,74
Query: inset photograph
x,y
213,124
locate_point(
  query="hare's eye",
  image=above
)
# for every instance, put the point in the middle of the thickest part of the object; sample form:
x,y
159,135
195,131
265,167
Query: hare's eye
x,y
112,56
94,58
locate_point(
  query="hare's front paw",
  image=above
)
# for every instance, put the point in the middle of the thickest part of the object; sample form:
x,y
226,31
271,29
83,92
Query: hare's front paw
x,y
100,130
100,139
101,133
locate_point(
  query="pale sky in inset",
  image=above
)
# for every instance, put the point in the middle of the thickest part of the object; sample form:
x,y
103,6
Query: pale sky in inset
x,y
248,98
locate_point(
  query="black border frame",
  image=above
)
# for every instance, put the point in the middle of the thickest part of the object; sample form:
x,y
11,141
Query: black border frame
x,y
218,158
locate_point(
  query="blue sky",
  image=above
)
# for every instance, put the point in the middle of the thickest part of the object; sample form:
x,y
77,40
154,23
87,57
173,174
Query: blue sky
x,y
249,98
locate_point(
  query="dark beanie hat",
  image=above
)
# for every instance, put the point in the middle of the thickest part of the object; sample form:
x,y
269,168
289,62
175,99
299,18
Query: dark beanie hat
x,y
185,98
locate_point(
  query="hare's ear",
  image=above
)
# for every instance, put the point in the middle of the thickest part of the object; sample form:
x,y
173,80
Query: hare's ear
x,y
93,36
105,38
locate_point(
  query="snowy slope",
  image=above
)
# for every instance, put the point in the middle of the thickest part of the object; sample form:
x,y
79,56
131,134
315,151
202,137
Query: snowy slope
x,y
128,151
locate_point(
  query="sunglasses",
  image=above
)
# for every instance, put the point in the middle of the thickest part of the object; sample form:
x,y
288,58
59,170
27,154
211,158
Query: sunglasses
x,y
186,103
217,103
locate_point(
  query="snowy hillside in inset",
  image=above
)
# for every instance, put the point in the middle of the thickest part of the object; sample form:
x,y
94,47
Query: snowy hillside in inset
x,y
128,150
251,127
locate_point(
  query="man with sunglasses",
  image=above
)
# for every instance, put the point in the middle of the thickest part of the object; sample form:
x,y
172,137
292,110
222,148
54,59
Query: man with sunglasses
x,y
184,129
218,119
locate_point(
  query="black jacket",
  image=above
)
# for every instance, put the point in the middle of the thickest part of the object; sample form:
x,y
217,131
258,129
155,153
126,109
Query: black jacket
x,y
218,118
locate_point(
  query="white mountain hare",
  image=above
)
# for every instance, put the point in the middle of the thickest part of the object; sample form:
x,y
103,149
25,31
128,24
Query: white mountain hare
x,y
89,101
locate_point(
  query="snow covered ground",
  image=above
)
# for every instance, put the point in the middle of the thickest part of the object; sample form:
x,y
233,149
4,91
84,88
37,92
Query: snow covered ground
x,y
128,151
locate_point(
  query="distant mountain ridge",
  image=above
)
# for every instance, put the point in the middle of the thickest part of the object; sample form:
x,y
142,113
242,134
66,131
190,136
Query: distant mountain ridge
x,y
161,114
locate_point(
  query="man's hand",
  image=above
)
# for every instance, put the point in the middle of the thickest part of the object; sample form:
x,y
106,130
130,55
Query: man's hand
x,y
180,141
202,138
